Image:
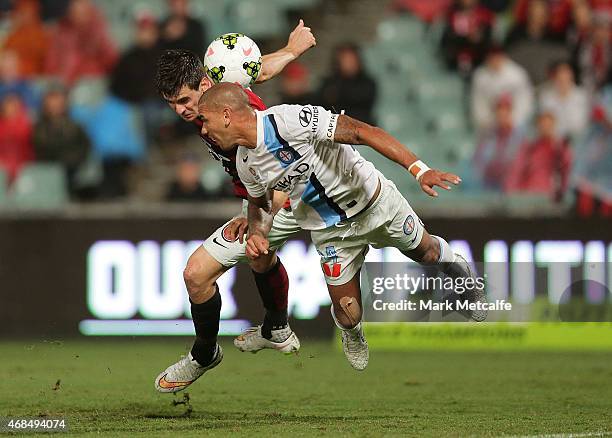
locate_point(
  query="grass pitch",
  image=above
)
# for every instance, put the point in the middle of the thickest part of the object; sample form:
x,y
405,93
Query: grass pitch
x,y
105,387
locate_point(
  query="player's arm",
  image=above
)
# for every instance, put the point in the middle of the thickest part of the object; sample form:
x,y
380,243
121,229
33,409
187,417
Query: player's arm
x,y
300,40
260,215
351,131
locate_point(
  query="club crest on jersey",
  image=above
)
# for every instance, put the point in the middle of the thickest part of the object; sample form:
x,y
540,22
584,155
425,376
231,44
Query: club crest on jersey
x,y
305,116
409,225
286,156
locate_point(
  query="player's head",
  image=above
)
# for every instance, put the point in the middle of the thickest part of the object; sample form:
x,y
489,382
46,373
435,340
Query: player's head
x,y
181,81
223,109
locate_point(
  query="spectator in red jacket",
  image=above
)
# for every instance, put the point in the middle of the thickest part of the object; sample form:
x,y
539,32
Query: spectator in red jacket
x,y
542,165
15,135
80,44
467,35
28,37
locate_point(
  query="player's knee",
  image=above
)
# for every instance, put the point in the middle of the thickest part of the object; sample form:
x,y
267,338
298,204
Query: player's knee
x,y
199,286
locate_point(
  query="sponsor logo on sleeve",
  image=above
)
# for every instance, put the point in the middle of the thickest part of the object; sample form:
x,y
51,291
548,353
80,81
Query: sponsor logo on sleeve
x,y
315,120
305,116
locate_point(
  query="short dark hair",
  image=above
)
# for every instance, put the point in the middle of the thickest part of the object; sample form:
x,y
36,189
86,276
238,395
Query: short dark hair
x,y
176,69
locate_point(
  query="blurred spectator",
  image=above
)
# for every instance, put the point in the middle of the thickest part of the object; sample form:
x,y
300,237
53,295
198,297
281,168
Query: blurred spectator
x,y
80,44
500,76
15,135
349,87
57,138
581,24
181,31
498,147
568,102
117,138
133,79
11,81
467,35
27,37
295,85
559,12
593,175
593,57
532,45
187,183
541,166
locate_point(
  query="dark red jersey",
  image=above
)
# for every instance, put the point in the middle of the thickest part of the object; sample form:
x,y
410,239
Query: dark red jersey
x,y
228,159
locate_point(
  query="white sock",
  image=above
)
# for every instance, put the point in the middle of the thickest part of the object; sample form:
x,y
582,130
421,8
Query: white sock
x,y
446,253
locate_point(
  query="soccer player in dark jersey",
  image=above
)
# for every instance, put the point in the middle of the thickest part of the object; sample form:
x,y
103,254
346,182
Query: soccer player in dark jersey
x,y
181,81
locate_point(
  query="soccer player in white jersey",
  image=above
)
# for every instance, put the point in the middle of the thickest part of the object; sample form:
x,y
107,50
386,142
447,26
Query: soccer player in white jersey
x,y
306,152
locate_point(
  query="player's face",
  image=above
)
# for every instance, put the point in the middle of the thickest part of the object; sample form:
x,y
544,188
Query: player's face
x,y
185,103
215,127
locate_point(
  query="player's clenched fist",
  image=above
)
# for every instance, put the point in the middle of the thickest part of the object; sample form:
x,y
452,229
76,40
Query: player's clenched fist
x,y
435,177
257,245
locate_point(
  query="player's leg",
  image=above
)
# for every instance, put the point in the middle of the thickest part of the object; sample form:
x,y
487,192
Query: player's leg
x,y
200,275
346,311
273,286
435,251
341,261
405,231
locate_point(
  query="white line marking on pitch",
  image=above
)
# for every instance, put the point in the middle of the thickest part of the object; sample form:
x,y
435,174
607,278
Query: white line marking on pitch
x,y
565,435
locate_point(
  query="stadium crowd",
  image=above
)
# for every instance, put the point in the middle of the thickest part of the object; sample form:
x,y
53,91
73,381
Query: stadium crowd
x,y
538,75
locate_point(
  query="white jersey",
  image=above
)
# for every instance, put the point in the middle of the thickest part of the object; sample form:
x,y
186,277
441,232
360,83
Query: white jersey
x,y
327,182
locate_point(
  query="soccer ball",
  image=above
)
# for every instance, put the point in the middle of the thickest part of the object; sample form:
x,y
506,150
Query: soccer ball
x,y
233,57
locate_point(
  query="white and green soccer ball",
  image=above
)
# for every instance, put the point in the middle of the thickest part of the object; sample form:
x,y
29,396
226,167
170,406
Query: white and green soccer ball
x,y
233,57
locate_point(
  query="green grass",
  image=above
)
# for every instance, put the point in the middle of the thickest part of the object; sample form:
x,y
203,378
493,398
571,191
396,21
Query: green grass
x,y
106,388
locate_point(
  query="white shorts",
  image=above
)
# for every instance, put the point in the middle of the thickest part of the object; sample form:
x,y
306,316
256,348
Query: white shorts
x,y
388,222
230,253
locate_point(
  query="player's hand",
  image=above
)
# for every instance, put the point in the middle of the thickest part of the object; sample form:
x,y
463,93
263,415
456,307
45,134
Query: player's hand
x,y
434,177
237,229
300,39
257,245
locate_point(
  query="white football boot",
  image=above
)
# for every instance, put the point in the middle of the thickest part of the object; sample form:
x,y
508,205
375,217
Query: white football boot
x,y
252,340
183,373
473,295
355,347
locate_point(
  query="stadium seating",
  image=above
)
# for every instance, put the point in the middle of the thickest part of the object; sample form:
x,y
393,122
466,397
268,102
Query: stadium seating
x,y
417,101
39,186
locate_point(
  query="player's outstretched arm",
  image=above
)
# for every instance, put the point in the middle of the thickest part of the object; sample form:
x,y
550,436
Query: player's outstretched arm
x,y
300,40
352,131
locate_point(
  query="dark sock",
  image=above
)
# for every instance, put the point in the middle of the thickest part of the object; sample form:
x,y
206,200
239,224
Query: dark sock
x,y
206,322
273,287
